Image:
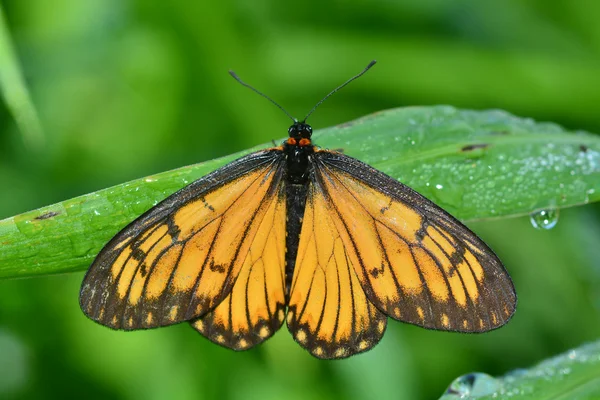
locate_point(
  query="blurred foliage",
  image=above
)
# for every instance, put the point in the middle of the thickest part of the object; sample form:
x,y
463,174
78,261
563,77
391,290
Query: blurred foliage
x,y
15,91
129,88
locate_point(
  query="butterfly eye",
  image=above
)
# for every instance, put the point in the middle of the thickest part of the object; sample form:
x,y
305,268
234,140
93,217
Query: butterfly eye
x,y
304,130
308,130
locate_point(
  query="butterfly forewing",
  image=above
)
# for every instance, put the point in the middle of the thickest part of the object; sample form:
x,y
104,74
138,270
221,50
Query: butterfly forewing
x,y
415,262
181,259
329,313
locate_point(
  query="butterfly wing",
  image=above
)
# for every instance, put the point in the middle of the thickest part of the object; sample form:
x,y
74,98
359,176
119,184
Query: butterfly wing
x,y
329,313
180,259
415,262
255,308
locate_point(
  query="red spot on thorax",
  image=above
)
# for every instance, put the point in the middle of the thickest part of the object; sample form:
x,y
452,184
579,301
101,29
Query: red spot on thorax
x,y
304,142
291,141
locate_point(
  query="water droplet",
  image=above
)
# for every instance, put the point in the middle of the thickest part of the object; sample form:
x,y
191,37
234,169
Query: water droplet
x,y
515,374
474,384
544,219
564,371
139,207
438,186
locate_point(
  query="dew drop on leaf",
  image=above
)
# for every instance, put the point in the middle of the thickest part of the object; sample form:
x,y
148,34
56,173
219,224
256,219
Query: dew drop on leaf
x,y
544,219
473,384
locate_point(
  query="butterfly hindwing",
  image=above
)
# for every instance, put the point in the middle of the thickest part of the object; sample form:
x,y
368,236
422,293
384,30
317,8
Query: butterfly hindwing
x,y
329,313
415,262
179,260
255,308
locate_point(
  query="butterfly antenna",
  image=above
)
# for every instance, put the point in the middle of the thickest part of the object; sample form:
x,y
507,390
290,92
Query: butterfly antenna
x,y
237,78
339,87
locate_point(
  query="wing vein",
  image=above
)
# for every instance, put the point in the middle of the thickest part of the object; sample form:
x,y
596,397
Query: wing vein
x,y
137,268
240,244
422,278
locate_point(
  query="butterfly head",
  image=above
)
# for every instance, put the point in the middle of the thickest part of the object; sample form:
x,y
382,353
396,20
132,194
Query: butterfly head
x,y
300,133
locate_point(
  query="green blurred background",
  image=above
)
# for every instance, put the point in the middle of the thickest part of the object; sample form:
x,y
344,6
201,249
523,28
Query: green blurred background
x,y
129,88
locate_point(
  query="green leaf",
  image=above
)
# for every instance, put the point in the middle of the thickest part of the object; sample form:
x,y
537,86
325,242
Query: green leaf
x,y
574,375
15,91
475,164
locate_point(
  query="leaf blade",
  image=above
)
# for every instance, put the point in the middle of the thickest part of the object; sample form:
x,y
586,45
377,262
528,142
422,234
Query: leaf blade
x,y
571,375
422,146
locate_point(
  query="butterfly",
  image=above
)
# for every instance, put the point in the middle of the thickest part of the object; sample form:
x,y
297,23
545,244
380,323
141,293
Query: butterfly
x,y
299,235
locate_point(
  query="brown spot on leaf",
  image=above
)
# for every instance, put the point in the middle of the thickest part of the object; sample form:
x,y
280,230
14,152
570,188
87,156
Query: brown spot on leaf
x,y
583,148
471,147
47,215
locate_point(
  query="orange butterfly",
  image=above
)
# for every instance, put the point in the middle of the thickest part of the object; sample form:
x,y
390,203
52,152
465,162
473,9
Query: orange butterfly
x,y
304,235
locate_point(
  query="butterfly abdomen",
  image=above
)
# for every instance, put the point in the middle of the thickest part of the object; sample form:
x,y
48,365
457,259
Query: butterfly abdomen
x,y
295,203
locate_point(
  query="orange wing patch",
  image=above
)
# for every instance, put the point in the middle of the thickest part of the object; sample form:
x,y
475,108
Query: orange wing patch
x,y
181,259
255,308
329,313
415,262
